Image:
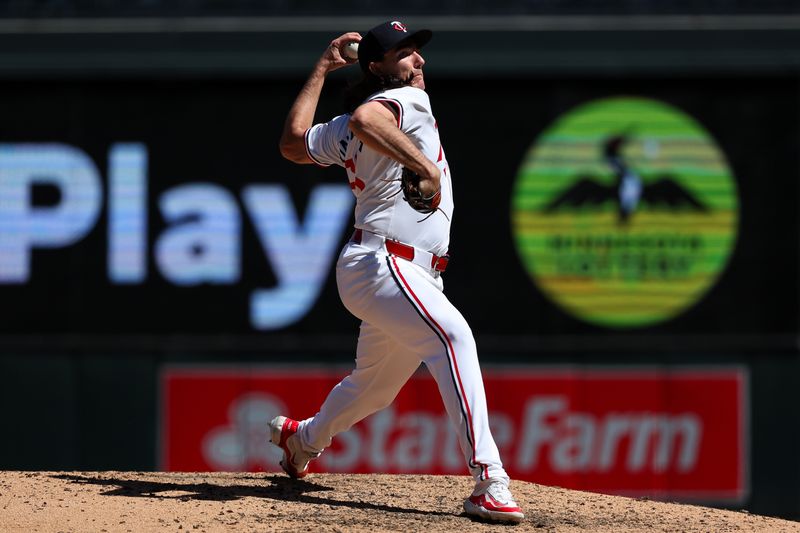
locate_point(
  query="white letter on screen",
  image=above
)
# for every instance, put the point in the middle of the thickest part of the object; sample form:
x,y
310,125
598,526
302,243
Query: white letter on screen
x,y
203,242
24,226
301,256
127,213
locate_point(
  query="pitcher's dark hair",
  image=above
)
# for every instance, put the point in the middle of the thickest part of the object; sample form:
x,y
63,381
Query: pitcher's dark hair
x,y
368,85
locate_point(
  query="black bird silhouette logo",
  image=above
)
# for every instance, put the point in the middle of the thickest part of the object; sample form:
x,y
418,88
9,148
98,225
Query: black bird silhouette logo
x,y
628,190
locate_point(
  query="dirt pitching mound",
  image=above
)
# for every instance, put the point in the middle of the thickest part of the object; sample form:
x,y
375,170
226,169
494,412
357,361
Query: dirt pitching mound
x,y
146,501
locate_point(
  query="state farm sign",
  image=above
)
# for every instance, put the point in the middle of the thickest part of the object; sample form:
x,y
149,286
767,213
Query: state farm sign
x,y
677,434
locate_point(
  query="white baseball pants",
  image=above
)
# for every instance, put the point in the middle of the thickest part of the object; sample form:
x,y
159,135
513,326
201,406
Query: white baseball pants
x,y
406,319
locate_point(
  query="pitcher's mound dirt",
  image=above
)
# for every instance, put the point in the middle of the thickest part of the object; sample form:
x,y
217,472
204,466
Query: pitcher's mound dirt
x,y
136,501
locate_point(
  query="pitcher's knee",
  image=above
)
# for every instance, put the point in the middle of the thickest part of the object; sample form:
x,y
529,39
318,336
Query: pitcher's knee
x,y
379,397
459,333
453,336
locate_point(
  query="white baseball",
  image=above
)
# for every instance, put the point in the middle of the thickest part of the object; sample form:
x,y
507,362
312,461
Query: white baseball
x,y
351,50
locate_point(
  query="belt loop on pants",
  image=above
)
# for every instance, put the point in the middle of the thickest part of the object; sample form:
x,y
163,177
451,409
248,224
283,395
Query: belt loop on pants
x,y
399,249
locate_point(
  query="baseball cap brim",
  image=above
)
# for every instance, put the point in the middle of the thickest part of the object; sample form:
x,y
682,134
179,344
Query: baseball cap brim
x,y
420,38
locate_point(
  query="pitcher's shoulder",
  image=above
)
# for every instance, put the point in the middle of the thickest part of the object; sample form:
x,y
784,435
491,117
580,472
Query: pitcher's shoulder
x,y
411,95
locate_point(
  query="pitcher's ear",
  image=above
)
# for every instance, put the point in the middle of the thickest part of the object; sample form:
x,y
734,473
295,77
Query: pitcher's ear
x,y
375,68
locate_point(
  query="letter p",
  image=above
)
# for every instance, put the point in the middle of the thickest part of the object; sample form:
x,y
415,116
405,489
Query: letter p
x,y
24,226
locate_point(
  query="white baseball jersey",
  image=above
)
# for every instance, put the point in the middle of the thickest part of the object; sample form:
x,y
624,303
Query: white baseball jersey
x,y
374,177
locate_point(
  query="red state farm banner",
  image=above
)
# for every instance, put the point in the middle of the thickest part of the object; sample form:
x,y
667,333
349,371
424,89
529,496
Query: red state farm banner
x,y
655,432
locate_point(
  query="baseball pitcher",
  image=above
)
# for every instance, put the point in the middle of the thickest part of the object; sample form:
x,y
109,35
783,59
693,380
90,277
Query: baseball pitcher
x,y
389,274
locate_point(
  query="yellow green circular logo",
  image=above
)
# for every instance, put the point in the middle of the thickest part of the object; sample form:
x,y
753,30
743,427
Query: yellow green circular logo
x,y
625,212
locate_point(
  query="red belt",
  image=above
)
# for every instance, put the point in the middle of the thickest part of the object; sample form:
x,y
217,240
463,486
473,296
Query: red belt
x,y
409,253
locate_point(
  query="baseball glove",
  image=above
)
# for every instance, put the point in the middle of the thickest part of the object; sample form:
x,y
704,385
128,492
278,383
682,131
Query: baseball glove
x,y
409,184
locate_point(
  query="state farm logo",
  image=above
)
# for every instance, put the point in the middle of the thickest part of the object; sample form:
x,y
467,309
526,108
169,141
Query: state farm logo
x,y
625,212
681,433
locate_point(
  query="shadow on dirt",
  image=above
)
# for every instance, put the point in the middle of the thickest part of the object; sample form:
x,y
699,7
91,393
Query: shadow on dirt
x,y
274,488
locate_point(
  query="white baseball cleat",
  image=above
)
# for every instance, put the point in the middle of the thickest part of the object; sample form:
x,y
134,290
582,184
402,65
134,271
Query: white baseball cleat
x,y
283,433
492,500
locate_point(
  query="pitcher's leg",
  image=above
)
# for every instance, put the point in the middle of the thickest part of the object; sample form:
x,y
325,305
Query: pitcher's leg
x,y
458,376
448,350
382,368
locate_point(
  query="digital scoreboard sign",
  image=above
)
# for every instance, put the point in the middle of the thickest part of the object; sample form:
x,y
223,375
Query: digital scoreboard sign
x,y
155,207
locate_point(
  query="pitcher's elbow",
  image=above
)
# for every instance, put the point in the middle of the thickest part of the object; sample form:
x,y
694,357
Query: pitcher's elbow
x,y
358,121
285,149
293,148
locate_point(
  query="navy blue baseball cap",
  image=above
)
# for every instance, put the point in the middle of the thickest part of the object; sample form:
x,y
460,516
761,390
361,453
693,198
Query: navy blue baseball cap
x,y
386,36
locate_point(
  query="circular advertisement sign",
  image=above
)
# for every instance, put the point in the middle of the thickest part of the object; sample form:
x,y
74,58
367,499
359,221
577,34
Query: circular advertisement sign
x,y
625,212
